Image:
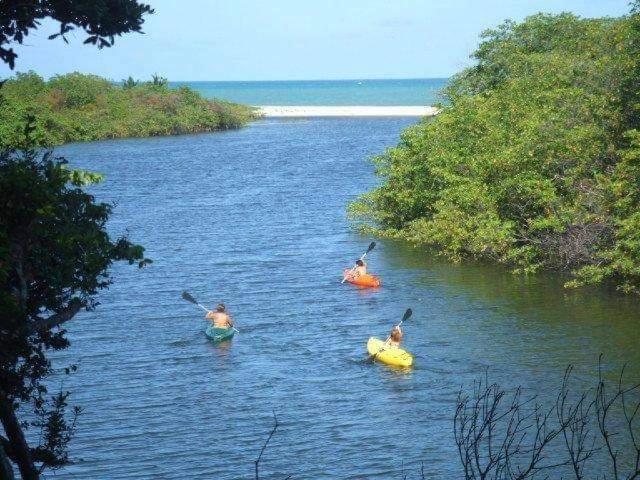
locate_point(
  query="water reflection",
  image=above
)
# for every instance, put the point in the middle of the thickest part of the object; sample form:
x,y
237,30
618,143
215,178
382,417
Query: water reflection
x,y
530,319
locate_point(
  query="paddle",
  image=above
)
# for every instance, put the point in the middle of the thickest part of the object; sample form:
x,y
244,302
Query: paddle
x,y
372,245
189,298
405,317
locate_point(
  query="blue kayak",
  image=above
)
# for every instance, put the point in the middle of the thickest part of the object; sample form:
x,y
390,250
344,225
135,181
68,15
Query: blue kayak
x,y
219,334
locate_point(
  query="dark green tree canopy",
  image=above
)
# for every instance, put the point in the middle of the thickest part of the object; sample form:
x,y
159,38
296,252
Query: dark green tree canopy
x,y
102,20
54,258
55,251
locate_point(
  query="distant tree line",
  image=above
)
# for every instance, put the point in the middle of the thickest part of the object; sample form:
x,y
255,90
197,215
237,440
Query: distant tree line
x,y
79,107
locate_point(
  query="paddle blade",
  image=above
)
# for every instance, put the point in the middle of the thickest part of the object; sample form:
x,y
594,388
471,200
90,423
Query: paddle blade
x,y
407,314
189,298
372,245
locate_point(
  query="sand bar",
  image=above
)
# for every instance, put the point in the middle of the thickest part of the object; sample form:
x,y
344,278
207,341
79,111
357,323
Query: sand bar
x,y
347,111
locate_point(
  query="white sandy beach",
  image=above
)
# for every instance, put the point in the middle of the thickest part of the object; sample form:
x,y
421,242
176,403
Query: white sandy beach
x,y
346,111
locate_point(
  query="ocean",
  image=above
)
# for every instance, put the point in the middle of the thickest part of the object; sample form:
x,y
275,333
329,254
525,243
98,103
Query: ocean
x,y
422,92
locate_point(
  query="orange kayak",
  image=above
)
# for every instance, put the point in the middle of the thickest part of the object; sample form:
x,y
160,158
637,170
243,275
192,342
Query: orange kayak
x,y
365,280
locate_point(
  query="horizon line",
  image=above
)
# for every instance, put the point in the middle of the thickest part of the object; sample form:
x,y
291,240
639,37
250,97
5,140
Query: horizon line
x,y
319,80
355,79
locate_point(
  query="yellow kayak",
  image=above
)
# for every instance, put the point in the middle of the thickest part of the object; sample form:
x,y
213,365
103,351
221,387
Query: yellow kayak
x,y
389,354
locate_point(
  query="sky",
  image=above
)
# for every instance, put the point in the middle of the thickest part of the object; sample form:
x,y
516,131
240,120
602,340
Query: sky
x,y
294,39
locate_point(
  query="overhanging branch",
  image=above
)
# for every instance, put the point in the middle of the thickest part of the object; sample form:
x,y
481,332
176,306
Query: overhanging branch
x,y
59,318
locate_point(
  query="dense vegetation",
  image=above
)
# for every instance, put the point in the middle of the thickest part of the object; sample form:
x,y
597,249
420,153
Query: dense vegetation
x,y
77,107
535,162
55,252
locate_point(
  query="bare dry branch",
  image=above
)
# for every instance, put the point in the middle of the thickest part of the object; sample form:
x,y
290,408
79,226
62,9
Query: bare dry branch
x,y
503,436
273,431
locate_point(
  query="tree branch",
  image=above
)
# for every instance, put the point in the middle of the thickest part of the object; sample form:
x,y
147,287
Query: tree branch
x,y
20,448
6,470
59,318
275,427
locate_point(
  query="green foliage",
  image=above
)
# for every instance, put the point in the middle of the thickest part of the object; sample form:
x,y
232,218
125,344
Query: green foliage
x,y
76,90
54,249
158,81
55,254
129,83
56,430
535,162
102,20
78,107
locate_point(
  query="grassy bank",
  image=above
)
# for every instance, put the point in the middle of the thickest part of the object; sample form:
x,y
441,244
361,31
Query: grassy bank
x,y
78,107
535,162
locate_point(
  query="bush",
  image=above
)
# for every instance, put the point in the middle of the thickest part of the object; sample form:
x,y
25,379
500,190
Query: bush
x,y
535,162
78,107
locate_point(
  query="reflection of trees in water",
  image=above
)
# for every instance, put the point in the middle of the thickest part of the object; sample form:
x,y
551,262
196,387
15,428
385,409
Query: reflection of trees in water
x,y
521,293
569,325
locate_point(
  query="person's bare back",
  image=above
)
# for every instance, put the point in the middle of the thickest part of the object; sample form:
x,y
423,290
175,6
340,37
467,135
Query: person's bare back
x,y
361,268
220,318
395,337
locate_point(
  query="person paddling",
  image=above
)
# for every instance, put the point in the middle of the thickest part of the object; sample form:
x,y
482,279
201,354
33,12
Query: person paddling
x,y
361,268
395,337
220,318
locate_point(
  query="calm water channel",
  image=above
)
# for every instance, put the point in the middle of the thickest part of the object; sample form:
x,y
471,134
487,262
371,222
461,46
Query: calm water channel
x,y
256,218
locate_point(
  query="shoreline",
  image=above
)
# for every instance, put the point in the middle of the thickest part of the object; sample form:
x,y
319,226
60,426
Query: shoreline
x,y
277,111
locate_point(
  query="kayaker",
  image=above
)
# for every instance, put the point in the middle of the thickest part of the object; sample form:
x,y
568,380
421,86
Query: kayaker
x,y
395,337
220,318
361,268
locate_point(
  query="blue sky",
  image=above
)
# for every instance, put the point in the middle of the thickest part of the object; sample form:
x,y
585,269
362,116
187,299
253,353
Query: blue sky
x,y
295,39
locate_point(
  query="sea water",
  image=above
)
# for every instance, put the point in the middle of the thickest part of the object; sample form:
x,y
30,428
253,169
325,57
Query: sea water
x,y
325,92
